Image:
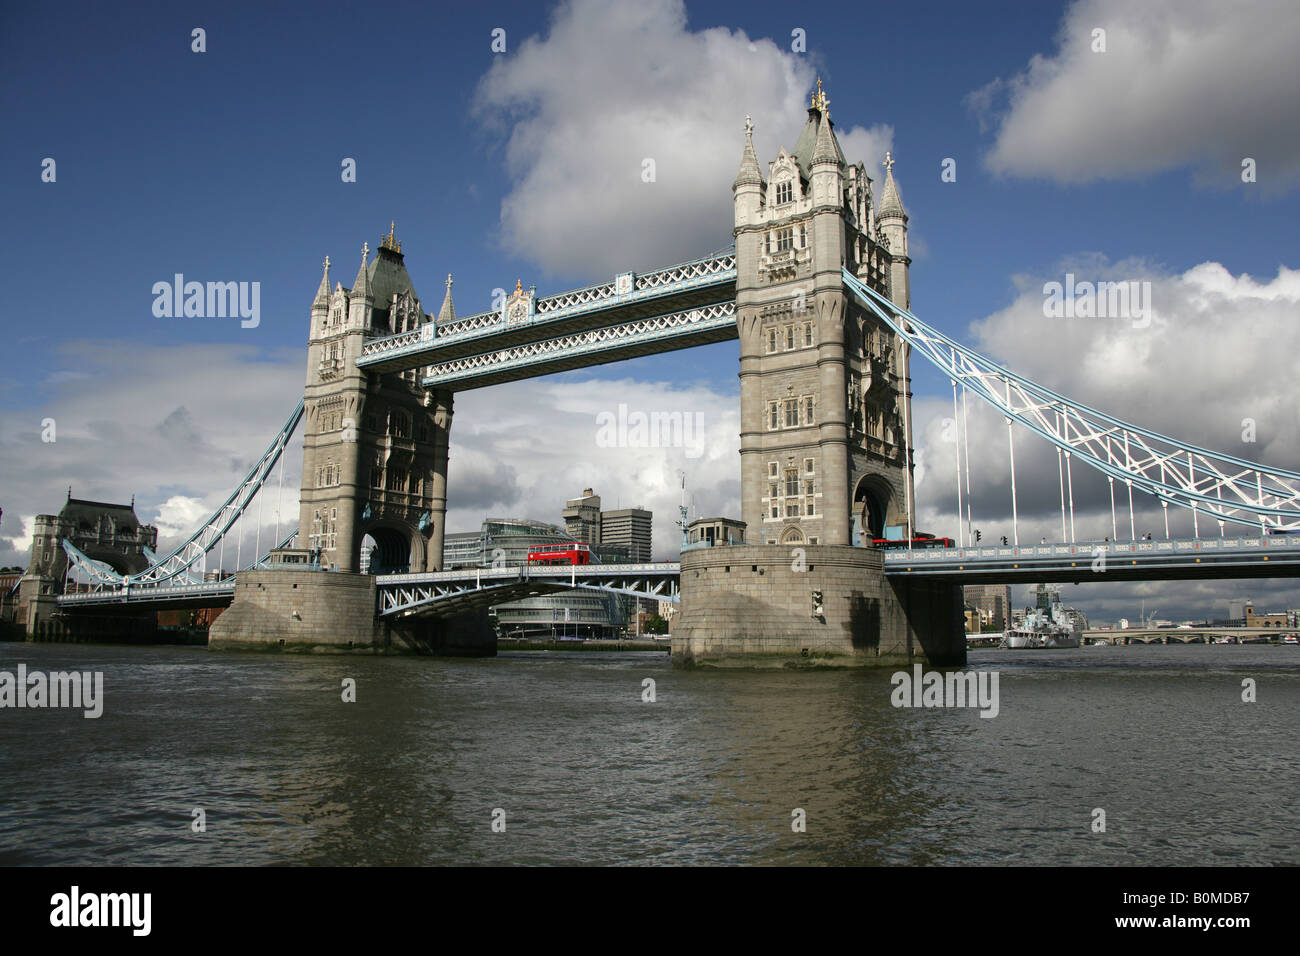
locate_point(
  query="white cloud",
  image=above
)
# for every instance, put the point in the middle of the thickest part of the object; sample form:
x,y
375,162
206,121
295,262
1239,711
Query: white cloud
x,y
614,84
1197,84
178,432
1218,351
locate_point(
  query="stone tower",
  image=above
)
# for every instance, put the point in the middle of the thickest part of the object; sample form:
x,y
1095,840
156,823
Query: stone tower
x,y
374,445
824,386
100,530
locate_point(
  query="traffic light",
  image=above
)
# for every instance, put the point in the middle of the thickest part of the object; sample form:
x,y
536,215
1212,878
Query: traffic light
x,y
977,534
817,609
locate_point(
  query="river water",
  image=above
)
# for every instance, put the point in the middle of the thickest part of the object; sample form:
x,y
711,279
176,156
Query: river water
x,y
584,771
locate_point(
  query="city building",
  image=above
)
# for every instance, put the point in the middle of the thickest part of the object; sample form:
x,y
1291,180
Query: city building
x,y
993,601
582,517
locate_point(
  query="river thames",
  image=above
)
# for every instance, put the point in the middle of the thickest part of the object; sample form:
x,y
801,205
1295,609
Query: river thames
x,y
564,751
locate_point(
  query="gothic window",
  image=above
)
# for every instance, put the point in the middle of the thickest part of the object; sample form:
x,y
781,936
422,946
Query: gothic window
x,y
771,470
792,509
808,465
791,483
792,413
810,509
789,336
803,237
772,415
784,239
775,509
807,334
808,411
771,340
784,192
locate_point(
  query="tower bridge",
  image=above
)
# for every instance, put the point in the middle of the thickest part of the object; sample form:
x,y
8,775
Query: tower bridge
x,y
816,291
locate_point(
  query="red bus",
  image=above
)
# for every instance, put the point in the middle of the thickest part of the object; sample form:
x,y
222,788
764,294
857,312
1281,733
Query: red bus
x,y
573,552
922,542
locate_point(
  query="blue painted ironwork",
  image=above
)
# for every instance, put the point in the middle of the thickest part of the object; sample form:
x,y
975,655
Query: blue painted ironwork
x,y
1221,486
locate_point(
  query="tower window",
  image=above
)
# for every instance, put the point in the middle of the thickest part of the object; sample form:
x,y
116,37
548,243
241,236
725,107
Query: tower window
x,y
771,470
808,465
792,413
784,239
771,340
772,415
808,411
807,334
789,336
784,192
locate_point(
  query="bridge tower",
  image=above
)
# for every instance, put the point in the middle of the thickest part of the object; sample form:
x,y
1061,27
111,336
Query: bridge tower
x,y
824,386
825,444
374,445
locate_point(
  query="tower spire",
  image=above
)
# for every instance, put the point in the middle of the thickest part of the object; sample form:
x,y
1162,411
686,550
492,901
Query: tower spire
x,y
362,286
323,291
749,173
448,311
891,203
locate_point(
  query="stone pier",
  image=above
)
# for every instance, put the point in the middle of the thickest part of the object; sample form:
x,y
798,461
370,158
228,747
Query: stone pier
x,y
753,606
309,611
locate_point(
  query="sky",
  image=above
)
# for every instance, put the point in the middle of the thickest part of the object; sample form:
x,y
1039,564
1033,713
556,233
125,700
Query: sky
x,y
1119,155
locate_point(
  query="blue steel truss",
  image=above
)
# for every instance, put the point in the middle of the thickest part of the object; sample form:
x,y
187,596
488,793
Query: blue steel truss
x,y
1224,487
178,563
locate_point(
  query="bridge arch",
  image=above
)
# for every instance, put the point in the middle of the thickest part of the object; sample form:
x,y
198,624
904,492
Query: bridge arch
x,y
393,548
872,497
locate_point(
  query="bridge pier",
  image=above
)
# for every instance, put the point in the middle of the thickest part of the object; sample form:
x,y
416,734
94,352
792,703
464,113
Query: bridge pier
x,y
753,606
321,612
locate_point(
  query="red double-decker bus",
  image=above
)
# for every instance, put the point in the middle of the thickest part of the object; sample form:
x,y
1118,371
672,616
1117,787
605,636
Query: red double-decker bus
x,y
926,541
573,552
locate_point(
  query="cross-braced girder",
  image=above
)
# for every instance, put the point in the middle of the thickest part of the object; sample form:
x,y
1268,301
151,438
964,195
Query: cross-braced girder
x,y
1221,486
404,594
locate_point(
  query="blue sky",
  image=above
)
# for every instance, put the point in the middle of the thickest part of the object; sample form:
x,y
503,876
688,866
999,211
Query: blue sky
x,y
225,165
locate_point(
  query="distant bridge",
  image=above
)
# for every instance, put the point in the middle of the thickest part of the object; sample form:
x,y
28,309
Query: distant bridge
x,y
1268,556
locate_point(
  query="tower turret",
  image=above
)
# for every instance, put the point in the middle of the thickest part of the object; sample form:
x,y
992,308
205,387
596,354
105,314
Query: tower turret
x,y
891,221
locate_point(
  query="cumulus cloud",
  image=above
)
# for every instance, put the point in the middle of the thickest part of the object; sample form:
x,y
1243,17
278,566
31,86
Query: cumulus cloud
x,y
615,84
1196,84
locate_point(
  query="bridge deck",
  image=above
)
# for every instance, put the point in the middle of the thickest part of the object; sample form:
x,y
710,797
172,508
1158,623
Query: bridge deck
x,y
627,300
1273,556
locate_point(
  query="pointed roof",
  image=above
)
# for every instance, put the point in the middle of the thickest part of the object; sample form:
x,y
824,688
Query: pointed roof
x,y
323,290
891,203
749,171
361,287
448,311
827,149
